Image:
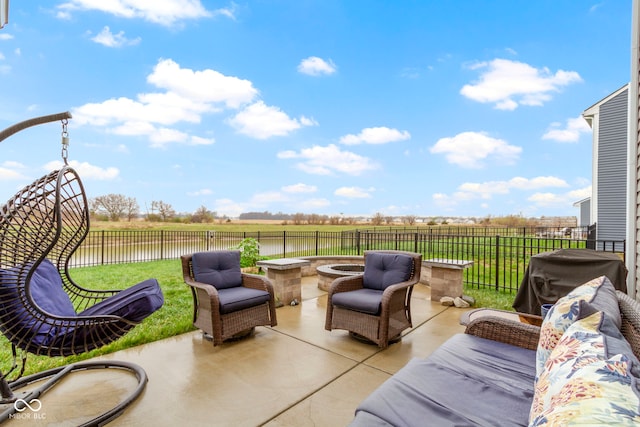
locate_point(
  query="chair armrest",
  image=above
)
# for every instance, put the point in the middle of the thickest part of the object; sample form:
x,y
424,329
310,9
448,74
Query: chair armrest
x,y
207,294
346,284
505,331
256,281
399,287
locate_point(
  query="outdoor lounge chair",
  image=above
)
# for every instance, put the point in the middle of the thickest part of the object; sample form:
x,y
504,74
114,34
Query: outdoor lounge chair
x,y
227,303
375,305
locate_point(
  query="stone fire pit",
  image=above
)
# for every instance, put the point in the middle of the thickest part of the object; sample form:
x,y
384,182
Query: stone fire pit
x,y
328,273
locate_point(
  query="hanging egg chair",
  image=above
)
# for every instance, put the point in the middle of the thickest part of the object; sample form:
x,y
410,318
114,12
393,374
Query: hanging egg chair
x,y
43,311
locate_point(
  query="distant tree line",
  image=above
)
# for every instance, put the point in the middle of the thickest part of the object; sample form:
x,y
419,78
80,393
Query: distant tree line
x,y
117,207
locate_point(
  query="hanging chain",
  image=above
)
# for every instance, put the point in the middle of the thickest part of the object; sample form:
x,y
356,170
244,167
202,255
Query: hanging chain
x,y
65,140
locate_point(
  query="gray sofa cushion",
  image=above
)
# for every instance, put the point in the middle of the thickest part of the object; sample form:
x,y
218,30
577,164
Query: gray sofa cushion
x,y
467,381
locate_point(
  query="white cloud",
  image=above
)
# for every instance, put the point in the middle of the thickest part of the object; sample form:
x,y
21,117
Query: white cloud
x,y
203,192
208,86
229,207
262,121
571,133
86,170
300,188
560,199
470,149
580,193
353,192
315,66
12,164
444,201
312,204
188,95
474,191
319,160
198,140
264,198
5,36
165,12
485,190
122,148
107,38
375,135
508,84
10,171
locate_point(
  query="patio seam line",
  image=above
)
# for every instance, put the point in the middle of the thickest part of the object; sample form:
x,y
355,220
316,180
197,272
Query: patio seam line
x,y
315,391
308,395
320,347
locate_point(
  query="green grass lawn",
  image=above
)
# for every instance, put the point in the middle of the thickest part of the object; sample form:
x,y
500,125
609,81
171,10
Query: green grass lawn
x,y
174,318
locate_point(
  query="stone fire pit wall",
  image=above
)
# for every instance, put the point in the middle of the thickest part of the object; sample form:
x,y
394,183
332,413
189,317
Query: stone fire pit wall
x,y
328,273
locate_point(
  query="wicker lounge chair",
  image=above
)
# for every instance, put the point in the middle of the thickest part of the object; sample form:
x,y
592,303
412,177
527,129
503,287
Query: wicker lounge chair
x,y
375,305
226,302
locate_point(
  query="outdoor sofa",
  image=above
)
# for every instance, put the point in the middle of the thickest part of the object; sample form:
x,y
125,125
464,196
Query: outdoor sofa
x,y
580,367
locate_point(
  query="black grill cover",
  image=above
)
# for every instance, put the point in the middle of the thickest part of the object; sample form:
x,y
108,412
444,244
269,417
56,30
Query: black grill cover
x,y
552,275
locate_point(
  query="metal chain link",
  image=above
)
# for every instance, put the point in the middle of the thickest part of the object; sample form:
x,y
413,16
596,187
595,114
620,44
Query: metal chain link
x,y
65,140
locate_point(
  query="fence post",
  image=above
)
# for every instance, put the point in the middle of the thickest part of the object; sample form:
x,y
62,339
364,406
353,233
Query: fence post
x,y
102,248
497,262
415,241
317,241
357,242
284,243
161,244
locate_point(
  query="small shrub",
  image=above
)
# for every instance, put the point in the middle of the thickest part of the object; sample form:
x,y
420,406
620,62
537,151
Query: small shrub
x,y
249,252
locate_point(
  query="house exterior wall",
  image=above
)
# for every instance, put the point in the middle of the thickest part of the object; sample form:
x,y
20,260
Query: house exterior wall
x,y
612,168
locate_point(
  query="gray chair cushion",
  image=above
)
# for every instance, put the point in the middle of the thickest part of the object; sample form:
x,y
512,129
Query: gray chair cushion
x,y
239,298
135,303
382,270
363,300
218,268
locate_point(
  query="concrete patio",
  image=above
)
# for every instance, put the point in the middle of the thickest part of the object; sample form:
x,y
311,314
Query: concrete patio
x,y
295,374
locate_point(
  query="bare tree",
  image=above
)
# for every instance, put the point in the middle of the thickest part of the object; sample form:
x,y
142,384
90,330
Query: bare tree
x,y
298,218
131,208
115,206
378,219
410,220
203,215
165,210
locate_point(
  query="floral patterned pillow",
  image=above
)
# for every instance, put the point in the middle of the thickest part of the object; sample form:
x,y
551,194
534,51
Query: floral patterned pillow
x,y
590,378
595,295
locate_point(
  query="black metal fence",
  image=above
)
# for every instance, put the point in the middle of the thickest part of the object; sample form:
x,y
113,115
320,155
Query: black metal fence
x,y
499,255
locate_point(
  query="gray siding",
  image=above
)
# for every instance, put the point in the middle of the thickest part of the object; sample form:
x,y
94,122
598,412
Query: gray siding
x,y
585,213
612,168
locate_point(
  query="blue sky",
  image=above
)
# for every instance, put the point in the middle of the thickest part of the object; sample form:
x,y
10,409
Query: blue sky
x,y
426,108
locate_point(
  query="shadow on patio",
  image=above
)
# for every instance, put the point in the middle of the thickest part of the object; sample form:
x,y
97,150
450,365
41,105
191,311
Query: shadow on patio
x,y
295,374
